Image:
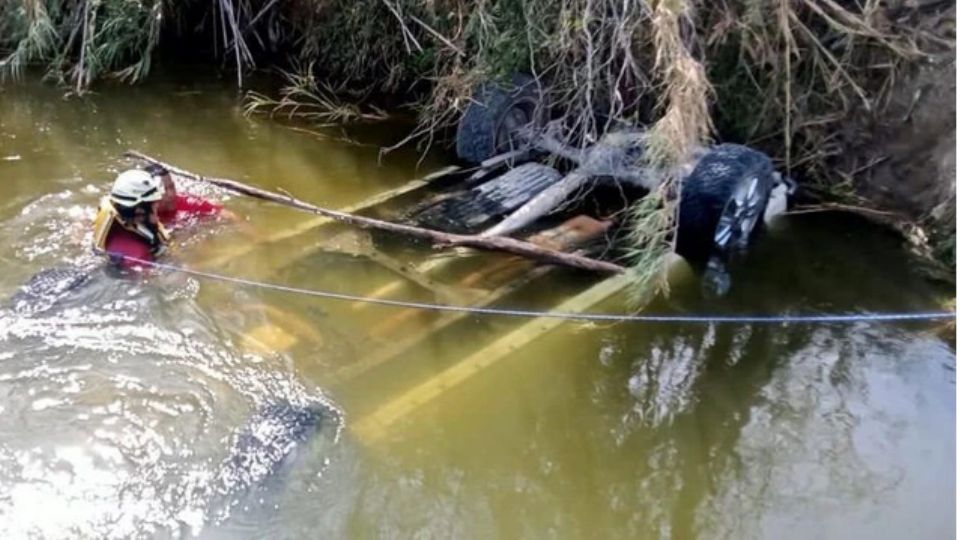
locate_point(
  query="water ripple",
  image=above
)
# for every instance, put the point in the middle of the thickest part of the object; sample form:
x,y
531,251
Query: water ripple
x,y
119,412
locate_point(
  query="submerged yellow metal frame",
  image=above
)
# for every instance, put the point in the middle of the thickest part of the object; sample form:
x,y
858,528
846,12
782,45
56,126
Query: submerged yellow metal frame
x,y
375,426
378,424
270,337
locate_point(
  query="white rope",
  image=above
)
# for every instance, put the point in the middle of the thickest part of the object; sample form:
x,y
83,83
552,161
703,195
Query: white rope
x,y
599,317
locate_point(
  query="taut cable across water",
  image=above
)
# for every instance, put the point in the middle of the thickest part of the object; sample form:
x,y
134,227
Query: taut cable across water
x,y
837,318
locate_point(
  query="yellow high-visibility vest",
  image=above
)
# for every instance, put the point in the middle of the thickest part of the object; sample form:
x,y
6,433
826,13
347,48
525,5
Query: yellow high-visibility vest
x,y
107,215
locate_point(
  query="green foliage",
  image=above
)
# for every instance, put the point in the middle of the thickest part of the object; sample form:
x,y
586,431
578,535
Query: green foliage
x,y
358,43
305,97
81,40
32,34
506,50
737,91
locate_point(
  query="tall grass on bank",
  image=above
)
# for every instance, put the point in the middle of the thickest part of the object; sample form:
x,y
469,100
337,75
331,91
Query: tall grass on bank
x,y
785,72
82,40
683,128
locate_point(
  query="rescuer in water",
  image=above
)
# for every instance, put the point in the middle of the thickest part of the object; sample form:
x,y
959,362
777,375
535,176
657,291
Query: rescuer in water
x,y
132,222
127,226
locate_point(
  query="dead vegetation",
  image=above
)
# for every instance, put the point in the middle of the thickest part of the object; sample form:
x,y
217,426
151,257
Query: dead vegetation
x,y
315,102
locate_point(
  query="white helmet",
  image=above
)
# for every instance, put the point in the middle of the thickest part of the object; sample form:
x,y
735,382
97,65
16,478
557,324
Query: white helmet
x,y
135,186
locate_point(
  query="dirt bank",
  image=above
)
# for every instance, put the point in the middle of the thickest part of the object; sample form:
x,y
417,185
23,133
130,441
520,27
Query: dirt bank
x,y
905,159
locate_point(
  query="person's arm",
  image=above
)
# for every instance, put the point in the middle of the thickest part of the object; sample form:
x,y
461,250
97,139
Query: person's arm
x,y
194,206
199,207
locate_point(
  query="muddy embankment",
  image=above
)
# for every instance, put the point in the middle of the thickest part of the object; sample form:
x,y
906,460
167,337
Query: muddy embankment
x,y
905,159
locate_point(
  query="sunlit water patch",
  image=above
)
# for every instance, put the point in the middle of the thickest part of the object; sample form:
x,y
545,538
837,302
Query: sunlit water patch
x,y
120,418
126,409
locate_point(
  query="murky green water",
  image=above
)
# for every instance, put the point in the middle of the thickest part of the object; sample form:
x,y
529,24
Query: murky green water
x,y
119,406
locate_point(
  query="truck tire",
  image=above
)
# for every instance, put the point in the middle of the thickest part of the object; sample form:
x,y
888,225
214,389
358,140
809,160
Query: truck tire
x,y
487,127
722,202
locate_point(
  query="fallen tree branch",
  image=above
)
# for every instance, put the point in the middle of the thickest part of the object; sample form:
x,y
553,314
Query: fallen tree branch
x,y
439,238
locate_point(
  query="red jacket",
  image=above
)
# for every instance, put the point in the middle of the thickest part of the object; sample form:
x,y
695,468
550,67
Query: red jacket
x,y
125,245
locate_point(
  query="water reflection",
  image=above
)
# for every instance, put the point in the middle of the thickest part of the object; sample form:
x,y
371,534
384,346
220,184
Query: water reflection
x,y
713,431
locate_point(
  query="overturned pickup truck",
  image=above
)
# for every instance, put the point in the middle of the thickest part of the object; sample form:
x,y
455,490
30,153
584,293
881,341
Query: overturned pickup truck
x,y
726,190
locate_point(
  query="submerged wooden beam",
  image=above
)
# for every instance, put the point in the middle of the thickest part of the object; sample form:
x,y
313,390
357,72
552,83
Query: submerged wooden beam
x,y
279,331
409,273
566,237
508,245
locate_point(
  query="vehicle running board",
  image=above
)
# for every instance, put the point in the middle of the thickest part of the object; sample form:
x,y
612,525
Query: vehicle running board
x,y
468,211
